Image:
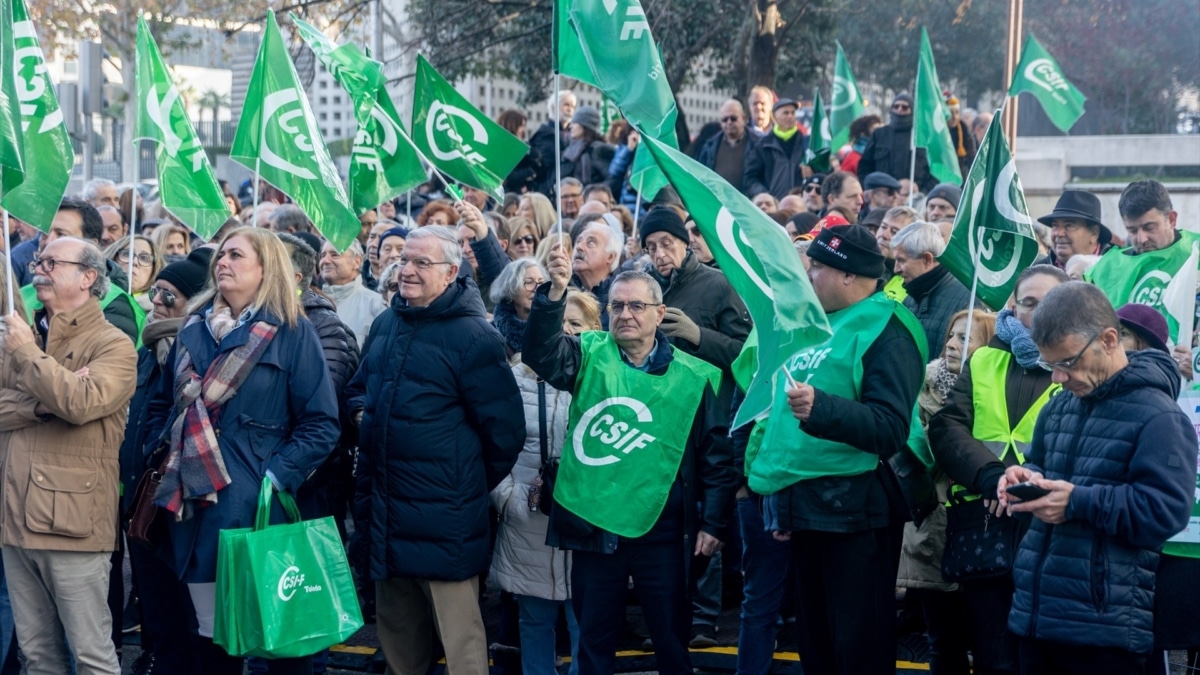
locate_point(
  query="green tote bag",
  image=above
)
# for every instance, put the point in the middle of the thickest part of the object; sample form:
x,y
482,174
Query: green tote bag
x,y
283,590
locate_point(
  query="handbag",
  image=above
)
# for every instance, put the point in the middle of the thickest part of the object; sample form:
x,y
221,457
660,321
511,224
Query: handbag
x,y
548,474
979,545
283,591
147,522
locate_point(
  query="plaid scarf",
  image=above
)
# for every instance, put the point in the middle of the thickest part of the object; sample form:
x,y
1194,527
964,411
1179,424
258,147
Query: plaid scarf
x,y
195,470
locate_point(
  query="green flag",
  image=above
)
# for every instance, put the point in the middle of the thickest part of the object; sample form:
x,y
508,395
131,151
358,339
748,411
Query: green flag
x,y
384,162
277,136
48,156
1151,278
12,167
185,178
993,235
755,255
820,142
846,103
458,138
1039,74
929,119
607,44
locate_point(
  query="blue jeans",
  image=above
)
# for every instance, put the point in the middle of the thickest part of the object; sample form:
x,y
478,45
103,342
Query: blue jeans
x,y
539,618
765,572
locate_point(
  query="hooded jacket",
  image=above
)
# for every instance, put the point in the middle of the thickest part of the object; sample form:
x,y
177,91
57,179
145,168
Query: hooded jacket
x,y
1131,454
889,151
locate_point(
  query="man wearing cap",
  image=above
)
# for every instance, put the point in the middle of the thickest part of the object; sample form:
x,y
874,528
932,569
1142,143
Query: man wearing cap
x,y
889,149
826,477
725,152
1116,459
812,193
774,162
883,191
1075,228
942,202
985,426
1157,252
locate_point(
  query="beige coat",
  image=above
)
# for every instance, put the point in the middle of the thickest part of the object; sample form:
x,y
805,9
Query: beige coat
x,y
59,474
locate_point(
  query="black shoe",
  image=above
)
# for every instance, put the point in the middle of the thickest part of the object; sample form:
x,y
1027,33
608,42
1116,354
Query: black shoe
x,y
144,665
703,636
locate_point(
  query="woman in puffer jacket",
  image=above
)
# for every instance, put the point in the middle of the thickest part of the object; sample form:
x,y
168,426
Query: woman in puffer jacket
x,y
537,574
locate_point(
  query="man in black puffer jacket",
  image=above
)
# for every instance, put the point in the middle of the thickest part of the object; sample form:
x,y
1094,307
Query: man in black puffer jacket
x,y
1118,459
890,148
441,424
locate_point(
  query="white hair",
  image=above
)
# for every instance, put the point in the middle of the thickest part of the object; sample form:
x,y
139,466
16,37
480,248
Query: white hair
x,y
919,238
446,236
615,244
511,282
552,103
92,186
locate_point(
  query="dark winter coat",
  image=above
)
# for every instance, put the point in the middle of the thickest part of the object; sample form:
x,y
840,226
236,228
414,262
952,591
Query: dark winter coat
x,y
1131,454
935,297
149,374
442,425
588,164
542,144
769,169
283,419
337,341
889,151
706,475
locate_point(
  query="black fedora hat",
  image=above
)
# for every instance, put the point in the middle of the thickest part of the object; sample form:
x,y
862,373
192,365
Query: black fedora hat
x,y
1080,205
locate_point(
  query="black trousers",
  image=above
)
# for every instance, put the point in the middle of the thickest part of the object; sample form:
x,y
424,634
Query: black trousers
x,y
1039,657
598,586
947,628
846,609
994,646
168,620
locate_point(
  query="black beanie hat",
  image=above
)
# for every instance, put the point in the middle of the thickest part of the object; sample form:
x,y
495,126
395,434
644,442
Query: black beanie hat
x,y
849,248
662,219
189,275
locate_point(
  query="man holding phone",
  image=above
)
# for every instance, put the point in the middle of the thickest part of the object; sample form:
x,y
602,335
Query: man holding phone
x,y
1117,458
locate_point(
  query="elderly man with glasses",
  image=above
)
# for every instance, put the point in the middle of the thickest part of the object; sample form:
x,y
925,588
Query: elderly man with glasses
x,y
1114,460
626,497
889,149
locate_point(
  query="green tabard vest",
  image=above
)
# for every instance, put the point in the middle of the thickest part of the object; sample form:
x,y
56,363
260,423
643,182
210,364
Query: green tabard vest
x,y
787,455
1187,543
1143,278
989,373
32,305
627,434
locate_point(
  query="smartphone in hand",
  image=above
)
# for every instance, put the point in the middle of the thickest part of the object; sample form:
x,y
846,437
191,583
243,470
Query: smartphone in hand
x,y
1026,491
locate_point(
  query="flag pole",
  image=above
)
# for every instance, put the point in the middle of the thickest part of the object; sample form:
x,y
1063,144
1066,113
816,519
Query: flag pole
x,y
912,148
133,201
12,277
558,161
962,364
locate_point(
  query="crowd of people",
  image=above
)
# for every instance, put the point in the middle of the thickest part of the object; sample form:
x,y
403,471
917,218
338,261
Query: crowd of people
x,y
488,392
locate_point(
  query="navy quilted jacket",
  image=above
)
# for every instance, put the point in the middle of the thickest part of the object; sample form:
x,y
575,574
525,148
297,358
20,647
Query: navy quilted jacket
x,y
1131,454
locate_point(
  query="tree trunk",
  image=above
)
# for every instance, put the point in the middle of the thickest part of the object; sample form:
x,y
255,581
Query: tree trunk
x,y
764,46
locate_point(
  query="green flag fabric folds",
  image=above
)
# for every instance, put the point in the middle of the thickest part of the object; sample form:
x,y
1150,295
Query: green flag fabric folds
x,y
1156,278
755,255
48,157
458,138
185,178
1039,74
929,119
277,135
607,44
12,167
820,142
993,235
384,162
845,104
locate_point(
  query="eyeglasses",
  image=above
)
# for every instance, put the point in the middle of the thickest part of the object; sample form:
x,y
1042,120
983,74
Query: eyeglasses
x,y
730,118
531,284
636,306
419,263
1028,304
527,239
49,263
815,187
141,259
168,298
1068,365
902,107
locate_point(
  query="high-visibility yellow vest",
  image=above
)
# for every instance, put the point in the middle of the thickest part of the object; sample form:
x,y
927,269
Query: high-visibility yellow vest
x,y
989,373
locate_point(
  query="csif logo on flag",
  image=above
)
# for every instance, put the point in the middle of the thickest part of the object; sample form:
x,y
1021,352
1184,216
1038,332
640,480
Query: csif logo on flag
x,y
439,124
381,135
1045,74
730,234
612,429
160,113
29,70
286,104
634,25
985,247
845,94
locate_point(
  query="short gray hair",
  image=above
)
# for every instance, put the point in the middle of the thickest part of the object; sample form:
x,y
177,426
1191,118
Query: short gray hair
x,y
906,212
616,240
552,103
93,186
573,182
289,216
446,236
304,259
511,282
919,238
656,295
90,258
1073,308
385,275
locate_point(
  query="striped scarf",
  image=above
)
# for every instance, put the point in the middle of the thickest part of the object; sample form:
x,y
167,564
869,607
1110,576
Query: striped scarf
x,y
195,470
